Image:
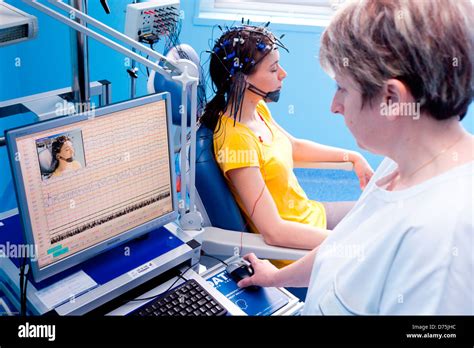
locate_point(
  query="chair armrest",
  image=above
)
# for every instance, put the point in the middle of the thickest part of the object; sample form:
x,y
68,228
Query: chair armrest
x,y
217,241
325,165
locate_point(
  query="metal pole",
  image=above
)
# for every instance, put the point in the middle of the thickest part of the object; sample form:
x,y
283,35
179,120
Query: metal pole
x,y
192,150
183,108
80,60
133,83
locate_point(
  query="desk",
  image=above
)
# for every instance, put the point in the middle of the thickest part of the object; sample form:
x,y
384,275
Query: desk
x,y
114,272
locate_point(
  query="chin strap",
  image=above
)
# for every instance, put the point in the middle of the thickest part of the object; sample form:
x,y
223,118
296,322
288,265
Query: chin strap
x,y
273,96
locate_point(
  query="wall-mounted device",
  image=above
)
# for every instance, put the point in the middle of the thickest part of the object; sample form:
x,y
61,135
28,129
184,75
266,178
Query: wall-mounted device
x,y
148,21
15,25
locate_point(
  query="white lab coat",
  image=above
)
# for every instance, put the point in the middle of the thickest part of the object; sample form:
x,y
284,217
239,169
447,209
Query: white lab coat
x,y
400,252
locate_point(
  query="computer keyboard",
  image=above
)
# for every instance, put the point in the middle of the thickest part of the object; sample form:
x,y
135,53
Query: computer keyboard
x,y
188,299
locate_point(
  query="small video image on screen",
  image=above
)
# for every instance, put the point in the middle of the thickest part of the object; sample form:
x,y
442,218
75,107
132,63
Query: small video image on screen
x,y
60,154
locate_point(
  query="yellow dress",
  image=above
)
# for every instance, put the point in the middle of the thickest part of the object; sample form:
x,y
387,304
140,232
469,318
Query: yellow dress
x,y
238,147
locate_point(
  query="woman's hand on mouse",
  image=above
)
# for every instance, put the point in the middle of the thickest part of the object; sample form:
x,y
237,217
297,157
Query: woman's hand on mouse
x,y
264,272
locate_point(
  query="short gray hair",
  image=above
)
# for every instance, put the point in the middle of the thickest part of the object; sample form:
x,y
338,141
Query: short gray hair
x,y
426,44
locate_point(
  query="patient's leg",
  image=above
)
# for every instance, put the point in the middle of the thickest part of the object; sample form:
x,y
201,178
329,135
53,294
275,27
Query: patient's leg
x,y
335,211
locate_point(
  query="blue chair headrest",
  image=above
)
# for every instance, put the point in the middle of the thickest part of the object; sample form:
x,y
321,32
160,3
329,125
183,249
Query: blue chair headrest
x,y
212,187
160,83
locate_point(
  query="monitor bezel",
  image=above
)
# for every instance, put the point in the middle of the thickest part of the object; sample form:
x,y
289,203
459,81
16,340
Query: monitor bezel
x,y
68,262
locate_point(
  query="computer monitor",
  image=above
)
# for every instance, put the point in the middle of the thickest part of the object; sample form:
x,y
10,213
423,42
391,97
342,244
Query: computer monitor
x,y
86,183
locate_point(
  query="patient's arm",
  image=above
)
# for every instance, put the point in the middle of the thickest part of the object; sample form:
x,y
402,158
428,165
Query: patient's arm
x,y
255,197
309,151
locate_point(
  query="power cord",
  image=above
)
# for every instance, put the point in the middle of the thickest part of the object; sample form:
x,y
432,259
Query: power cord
x,y
213,257
263,188
179,276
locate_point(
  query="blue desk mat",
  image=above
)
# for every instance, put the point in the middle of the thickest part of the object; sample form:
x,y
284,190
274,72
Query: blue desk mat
x,y
256,302
105,266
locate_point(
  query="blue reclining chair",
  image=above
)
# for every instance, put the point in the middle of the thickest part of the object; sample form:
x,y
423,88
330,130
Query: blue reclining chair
x,y
222,212
221,208
224,217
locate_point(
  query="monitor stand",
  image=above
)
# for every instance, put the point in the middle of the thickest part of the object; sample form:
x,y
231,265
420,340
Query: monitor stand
x,y
113,276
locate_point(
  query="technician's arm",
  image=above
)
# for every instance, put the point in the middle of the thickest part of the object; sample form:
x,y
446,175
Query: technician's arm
x,y
295,275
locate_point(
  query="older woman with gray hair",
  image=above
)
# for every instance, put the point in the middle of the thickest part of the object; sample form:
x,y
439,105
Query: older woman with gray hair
x,y
404,70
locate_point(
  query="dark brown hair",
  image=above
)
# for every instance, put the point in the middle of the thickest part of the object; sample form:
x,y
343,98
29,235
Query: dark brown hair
x,y
235,54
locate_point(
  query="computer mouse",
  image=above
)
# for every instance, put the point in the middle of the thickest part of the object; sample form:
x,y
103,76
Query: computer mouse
x,y
239,270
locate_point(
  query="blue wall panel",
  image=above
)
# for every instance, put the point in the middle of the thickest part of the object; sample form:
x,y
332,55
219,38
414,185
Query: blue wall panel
x,y
303,109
